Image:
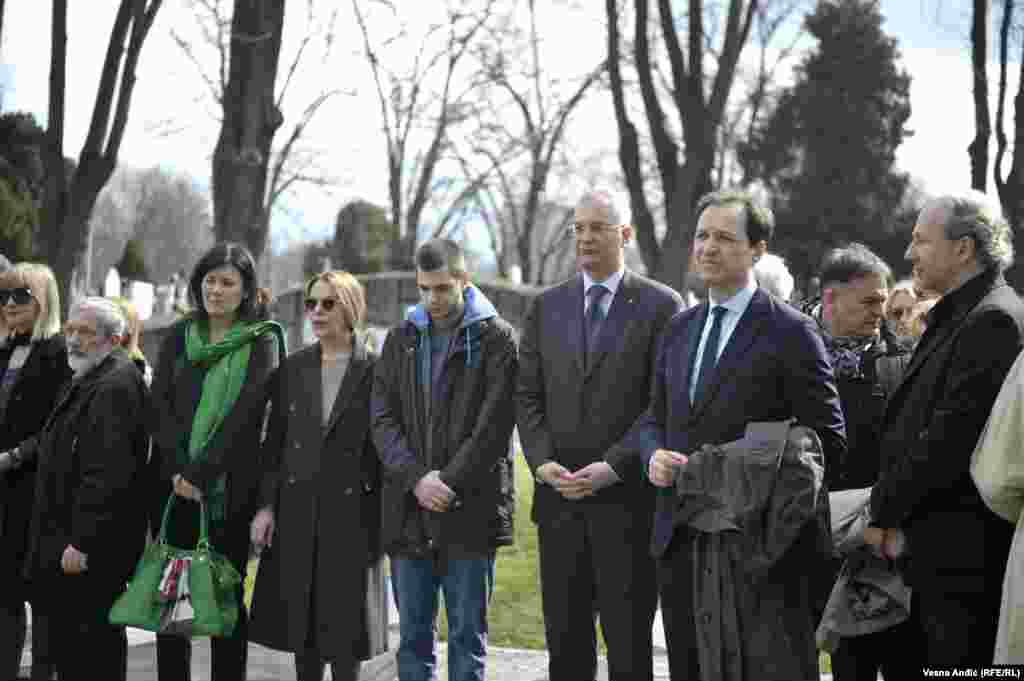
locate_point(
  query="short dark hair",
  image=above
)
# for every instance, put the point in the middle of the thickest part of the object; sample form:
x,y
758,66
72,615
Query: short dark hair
x,y
853,261
238,256
760,219
438,254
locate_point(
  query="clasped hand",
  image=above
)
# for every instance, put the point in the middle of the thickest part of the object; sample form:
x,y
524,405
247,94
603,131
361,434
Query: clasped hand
x,y
73,561
663,467
433,494
583,483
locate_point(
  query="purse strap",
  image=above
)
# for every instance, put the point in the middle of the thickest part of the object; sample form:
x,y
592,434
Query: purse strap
x,y
203,542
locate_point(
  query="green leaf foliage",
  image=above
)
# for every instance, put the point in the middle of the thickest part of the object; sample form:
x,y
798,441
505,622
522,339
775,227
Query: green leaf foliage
x,y
19,218
827,150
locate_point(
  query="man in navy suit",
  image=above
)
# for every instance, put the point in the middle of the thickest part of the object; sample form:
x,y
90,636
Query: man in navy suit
x,y
586,354
740,357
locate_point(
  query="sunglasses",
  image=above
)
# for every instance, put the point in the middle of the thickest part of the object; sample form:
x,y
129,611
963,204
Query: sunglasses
x,y
20,296
326,303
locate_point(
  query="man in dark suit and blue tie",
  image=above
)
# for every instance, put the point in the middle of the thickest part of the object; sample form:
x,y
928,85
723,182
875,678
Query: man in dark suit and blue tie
x,y
741,357
586,354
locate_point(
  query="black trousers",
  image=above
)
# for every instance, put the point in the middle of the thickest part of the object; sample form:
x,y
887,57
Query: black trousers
x,y
84,644
894,652
595,561
229,656
957,628
13,626
675,582
309,666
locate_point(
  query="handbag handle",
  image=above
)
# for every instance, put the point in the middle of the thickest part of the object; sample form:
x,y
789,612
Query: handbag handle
x,y
204,532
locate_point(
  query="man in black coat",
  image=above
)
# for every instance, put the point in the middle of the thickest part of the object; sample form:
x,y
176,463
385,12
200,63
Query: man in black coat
x,y
442,419
585,367
868,361
88,528
925,507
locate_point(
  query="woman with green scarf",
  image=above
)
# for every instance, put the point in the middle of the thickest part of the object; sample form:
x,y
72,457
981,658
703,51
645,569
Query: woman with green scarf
x,y
209,399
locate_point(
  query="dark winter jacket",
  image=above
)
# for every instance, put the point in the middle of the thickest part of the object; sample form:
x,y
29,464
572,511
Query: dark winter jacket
x,y
864,388
91,455
759,515
31,400
472,420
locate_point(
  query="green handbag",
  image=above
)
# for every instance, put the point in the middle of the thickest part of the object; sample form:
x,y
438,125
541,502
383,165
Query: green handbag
x,y
212,580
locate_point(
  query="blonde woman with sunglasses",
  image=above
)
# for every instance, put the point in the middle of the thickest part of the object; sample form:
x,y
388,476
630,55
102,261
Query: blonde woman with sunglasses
x,y
319,592
33,367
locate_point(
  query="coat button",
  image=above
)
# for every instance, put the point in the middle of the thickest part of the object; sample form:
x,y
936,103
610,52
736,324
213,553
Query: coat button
x,y
297,445
348,491
291,480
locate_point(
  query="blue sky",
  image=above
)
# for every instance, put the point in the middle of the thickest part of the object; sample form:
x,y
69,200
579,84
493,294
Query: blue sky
x,y
932,34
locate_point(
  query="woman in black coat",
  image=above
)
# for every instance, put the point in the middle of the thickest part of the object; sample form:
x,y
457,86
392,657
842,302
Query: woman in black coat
x,y
194,457
33,367
319,590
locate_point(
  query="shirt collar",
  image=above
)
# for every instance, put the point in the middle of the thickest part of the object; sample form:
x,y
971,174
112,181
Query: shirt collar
x,y
739,301
611,283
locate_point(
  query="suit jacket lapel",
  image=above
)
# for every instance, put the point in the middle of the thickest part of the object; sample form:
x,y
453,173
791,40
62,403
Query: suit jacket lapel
x,y
696,327
353,377
743,336
616,325
575,316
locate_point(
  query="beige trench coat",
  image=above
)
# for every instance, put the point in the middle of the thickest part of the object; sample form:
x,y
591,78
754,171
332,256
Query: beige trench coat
x,y
998,470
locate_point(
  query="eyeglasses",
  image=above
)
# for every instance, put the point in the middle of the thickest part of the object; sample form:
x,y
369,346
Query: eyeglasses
x,y
326,303
20,296
578,229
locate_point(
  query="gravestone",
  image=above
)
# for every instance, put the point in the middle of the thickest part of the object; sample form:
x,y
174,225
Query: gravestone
x,y
112,284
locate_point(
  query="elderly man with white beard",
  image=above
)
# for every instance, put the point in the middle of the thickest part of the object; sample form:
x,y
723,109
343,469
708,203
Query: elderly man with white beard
x,y
87,532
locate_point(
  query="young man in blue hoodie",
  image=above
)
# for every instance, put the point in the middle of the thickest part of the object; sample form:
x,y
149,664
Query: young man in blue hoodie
x,y
443,415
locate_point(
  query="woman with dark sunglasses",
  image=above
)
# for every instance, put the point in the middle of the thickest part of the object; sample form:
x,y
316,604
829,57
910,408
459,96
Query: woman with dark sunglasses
x,y
209,399
33,367
319,590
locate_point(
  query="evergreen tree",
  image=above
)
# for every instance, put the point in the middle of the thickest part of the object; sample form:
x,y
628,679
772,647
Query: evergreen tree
x,y
132,266
827,151
363,238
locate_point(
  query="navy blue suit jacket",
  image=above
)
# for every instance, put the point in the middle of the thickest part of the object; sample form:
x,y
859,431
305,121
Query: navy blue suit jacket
x,y
774,367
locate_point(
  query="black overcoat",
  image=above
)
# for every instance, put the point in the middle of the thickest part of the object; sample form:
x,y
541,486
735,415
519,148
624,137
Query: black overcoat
x,y
932,424
323,483
31,401
177,390
91,454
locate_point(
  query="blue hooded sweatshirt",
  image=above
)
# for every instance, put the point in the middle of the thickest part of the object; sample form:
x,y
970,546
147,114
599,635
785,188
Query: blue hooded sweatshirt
x,y
466,336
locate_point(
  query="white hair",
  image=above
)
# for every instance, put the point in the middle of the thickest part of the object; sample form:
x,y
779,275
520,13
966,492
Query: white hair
x,y
608,201
110,320
980,217
773,276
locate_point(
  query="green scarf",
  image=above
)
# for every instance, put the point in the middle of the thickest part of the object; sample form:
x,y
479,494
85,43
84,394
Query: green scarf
x,y
228,362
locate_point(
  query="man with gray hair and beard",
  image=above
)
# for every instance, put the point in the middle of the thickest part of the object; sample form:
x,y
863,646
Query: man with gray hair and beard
x,y
925,509
86,532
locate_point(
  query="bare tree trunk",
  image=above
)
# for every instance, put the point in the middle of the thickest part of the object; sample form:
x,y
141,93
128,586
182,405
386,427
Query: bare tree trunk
x,y
66,226
55,198
700,111
978,148
251,117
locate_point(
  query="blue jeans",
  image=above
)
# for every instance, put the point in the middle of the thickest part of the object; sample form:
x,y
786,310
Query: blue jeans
x,y
467,584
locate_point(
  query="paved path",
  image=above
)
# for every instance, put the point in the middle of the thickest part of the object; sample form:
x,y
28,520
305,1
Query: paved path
x,y
503,664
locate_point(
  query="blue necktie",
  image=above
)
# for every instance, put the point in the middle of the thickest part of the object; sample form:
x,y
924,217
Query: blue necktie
x,y
595,316
710,356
